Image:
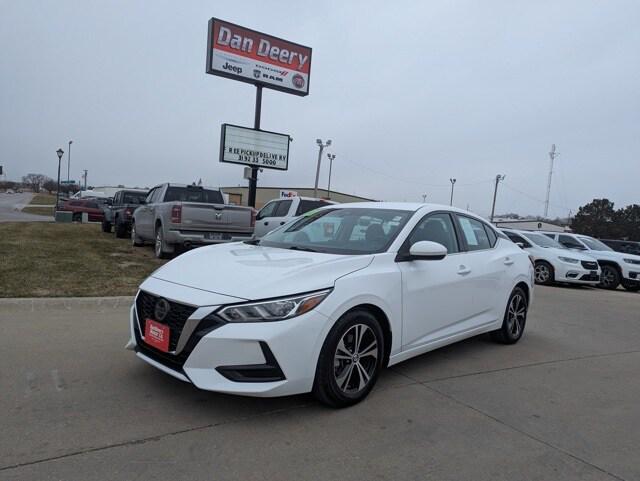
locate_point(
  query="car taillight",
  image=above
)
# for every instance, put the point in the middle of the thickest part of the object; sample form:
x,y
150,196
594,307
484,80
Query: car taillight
x,y
176,214
254,213
128,211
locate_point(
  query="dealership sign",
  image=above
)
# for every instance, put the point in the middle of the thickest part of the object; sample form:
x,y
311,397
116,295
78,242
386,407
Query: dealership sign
x,y
249,56
257,148
287,194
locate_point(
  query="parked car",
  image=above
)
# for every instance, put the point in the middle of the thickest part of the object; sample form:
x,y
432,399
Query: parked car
x,y
629,247
617,267
9,191
119,212
326,302
553,262
181,216
278,212
78,207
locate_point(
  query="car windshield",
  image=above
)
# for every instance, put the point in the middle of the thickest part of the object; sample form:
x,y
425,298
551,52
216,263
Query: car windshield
x,y
134,197
193,194
595,244
542,240
340,231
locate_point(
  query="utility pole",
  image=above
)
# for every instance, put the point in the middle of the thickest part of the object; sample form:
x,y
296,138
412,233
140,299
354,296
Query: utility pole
x,y
424,198
453,182
253,180
85,179
331,157
552,156
495,194
321,147
69,161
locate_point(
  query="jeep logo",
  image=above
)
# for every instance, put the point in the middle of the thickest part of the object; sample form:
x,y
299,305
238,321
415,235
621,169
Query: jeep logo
x,y
233,68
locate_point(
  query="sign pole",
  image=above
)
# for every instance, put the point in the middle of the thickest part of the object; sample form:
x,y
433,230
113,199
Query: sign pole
x,y
253,181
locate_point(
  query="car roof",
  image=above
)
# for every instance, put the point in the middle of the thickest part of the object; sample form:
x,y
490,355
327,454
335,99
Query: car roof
x,y
408,206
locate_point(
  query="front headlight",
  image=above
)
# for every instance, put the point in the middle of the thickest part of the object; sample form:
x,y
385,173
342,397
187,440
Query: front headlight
x,y
570,260
632,261
274,310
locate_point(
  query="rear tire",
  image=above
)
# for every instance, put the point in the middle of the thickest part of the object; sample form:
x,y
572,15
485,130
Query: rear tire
x,y
106,226
544,273
350,361
609,277
121,230
515,319
161,248
135,240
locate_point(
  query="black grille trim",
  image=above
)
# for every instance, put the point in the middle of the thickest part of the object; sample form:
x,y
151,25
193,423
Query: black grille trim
x,y
591,265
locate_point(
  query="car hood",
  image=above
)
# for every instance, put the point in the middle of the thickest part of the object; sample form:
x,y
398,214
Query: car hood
x,y
255,272
575,254
612,255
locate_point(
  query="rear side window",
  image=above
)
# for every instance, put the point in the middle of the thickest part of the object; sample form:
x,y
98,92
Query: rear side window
x,y
193,194
131,197
474,234
267,210
516,238
309,205
283,208
569,242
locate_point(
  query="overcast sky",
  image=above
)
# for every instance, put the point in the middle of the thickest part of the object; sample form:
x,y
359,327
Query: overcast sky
x,y
411,94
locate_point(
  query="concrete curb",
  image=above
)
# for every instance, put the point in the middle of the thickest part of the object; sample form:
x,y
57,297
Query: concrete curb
x,y
43,303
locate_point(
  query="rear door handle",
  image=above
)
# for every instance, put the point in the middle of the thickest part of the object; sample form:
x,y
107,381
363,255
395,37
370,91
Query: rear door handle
x,y
281,223
463,270
508,262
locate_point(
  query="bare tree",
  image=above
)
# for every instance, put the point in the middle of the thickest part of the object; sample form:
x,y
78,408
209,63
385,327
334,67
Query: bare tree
x,y
34,181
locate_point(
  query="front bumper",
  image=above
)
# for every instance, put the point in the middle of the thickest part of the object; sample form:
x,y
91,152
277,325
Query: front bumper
x,y
576,274
197,237
256,359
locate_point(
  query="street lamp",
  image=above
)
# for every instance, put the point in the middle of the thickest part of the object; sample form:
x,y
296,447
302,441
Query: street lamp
x,y
499,178
69,160
331,157
60,153
453,181
321,147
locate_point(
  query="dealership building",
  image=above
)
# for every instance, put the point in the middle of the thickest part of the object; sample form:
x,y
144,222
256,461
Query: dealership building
x,y
240,195
530,224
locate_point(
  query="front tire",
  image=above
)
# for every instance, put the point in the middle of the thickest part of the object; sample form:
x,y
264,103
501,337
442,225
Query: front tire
x,y
350,360
515,319
544,274
609,277
631,287
106,226
121,230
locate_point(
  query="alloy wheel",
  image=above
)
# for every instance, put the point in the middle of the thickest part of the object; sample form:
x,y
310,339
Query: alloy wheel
x,y
158,243
516,315
608,277
542,273
133,233
355,359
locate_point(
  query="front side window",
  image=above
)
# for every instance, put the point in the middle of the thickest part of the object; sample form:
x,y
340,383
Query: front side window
x,y
341,231
570,242
131,197
542,240
283,208
516,238
436,228
267,210
595,244
152,192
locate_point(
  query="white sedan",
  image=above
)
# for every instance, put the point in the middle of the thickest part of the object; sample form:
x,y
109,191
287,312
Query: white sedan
x,y
323,303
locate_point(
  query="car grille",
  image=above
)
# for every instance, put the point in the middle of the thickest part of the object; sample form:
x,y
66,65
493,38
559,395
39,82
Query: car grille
x,y
145,304
590,277
591,265
176,318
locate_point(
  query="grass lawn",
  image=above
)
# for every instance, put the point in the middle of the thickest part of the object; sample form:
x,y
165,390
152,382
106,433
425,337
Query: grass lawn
x,y
43,199
39,210
59,260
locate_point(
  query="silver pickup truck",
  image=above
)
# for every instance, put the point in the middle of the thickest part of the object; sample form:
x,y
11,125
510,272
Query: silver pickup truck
x,y
181,216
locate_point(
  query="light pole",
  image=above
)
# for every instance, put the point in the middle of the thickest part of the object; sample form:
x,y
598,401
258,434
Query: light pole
x,y
321,147
453,182
424,198
331,157
60,153
495,194
69,160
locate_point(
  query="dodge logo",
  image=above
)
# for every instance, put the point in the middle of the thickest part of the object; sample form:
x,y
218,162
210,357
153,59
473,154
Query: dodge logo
x,y
161,309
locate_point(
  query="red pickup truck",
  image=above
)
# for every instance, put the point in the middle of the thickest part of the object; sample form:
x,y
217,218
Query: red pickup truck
x,y
92,207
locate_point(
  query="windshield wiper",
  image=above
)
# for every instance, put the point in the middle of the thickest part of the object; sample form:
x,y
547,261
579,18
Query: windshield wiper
x,y
299,248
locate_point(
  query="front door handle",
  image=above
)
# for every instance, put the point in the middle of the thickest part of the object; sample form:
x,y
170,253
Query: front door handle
x,y
463,270
508,262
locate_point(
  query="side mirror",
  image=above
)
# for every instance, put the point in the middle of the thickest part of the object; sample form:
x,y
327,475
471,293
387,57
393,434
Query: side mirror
x,y
520,244
427,251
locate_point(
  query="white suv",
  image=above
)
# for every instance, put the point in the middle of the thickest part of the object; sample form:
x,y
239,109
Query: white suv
x,y
553,262
278,212
617,267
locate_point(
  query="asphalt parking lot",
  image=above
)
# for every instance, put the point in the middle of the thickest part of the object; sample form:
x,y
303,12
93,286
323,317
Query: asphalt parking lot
x,y
562,404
